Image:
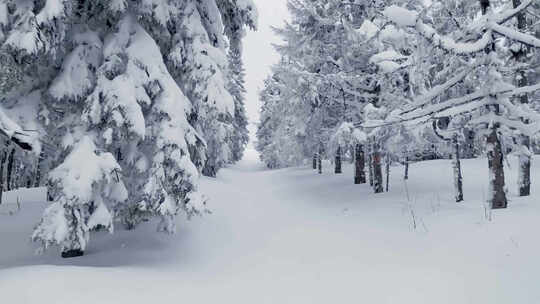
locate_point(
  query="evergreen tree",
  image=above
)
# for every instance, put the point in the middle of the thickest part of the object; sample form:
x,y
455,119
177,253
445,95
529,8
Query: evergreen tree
x,y
118,86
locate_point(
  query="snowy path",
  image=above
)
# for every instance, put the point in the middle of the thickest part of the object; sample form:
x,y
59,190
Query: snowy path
x,y
292,236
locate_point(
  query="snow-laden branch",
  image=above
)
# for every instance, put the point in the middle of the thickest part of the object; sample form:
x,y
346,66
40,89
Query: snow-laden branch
x,y
490,23
451,106
438,90
506,15
492,118
464,104
450,44
14,132
515,35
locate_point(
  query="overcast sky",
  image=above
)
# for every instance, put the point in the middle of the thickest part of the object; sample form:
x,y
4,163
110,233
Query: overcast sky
x,y
259,54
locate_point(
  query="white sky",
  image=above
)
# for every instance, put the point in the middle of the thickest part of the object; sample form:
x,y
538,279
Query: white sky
x,y
259,54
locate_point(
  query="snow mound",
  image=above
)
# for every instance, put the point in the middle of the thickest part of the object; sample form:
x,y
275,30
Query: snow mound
x,y
400,16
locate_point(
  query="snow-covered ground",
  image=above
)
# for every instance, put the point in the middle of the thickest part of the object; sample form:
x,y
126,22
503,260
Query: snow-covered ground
x,y
293,236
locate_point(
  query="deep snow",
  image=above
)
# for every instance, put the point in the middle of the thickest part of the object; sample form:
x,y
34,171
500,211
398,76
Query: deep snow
x,y
293,236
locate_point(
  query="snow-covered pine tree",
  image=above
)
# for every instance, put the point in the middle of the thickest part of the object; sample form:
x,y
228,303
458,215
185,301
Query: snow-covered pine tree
x,y
200,61
101,80
240,136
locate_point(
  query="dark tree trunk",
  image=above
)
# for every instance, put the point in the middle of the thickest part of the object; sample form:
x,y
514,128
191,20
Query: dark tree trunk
x,y
377,170
319,160
10,169
497,195
315,161
370,167
15,183
359,173
338,161
37,181
524,174
3,161
387,173
406,176
458,178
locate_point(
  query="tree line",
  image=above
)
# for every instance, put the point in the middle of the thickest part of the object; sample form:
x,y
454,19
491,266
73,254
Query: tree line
x,y
394,81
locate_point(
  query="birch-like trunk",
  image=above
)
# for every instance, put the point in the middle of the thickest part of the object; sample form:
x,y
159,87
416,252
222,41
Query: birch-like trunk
x,y
524,173
458,178
496,191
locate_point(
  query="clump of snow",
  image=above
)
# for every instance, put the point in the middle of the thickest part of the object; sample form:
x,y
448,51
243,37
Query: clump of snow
x,y
388,60
53,227
77,179
401,16
101,217
368,29
53,9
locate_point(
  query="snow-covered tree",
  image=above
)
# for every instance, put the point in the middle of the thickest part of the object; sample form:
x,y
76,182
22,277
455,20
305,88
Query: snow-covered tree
x,y
484,64
125,91
240,136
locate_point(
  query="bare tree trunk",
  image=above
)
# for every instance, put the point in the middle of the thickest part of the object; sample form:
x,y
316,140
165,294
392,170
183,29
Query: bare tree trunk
x,y
524,174
338,161
359,173
387,172
10,168
406,176
377,170
3,161
319,159
458,178
16,176
370,165
315,161
497,195
37,181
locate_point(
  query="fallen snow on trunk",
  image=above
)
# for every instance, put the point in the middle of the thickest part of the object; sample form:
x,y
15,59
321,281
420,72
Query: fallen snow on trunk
x,y
293,236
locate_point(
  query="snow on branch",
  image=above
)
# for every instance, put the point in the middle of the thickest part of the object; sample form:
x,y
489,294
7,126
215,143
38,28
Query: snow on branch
x,y
451,106
464,104
515,35
14,132
450,44
438,90
492,118
491,23
506,15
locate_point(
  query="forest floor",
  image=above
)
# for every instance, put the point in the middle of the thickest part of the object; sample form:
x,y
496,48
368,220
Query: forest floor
x,y
293,236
